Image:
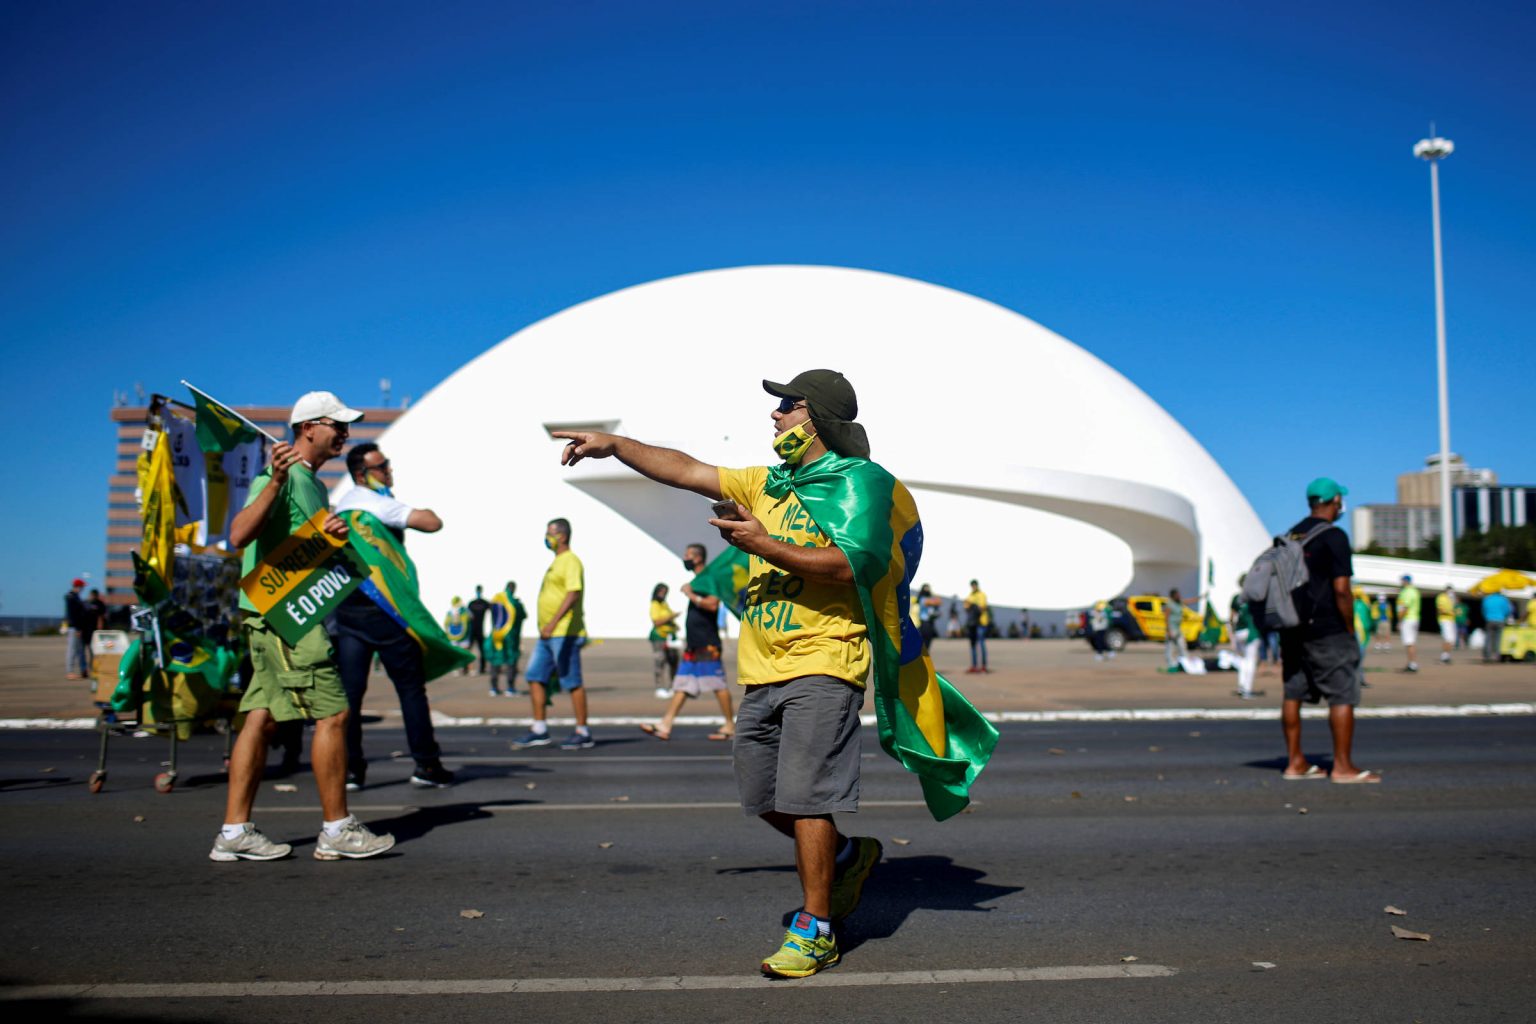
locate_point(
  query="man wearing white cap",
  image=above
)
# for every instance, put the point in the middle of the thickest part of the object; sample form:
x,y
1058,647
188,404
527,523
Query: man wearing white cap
x,y
300,682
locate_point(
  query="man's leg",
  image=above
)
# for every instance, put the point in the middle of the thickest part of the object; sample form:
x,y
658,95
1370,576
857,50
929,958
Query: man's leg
x,y
1290,724
328,760
981,641
1341,722
402,662
537,694
354,658
724,697
246,763
816,843
679,698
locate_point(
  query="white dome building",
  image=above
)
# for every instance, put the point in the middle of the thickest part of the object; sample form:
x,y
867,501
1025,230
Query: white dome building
x,y
1121,499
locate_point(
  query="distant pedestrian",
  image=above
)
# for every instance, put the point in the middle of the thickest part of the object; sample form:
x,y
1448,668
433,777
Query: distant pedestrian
x,y
479,608
562,631
952,625
1463,624
978,618
1175,648
456,625
77,623
1246,637
1408,604
1445,618
1496,612
96,618
1098,630
504,645
928,615
1320,657
663,629
702,669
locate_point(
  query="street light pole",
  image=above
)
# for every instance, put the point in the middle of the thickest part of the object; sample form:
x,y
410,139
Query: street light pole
x,y
1435,149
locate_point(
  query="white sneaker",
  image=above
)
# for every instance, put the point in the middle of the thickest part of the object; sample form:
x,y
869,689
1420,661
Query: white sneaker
x,y
250,845
662,694
355,841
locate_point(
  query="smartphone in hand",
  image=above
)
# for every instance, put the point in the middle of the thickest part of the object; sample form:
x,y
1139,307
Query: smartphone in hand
x,y
725,508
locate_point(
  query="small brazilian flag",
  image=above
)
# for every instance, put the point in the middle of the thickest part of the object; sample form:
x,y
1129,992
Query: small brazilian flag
x,y
218,428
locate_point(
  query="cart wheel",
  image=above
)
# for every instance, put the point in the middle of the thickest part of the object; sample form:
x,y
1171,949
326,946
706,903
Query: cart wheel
x,y
165,782
96,782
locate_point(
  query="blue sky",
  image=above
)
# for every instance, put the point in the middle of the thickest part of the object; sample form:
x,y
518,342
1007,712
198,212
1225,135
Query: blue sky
x,y
1219,201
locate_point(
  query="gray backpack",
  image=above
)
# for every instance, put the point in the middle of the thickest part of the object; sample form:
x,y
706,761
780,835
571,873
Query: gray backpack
x,y
1277,574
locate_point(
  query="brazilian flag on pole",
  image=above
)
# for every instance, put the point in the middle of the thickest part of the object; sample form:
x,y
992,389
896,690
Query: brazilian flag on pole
x,y
924,722
392,584
219,428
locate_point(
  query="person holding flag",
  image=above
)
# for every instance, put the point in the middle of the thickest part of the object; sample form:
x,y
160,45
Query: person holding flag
x,y
292,682
385,617
504,644
824,546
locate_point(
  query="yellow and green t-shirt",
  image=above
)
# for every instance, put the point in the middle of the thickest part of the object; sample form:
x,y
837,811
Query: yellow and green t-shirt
x,y
978,599
1408,604
662,626
564,575
1445,607
301,497
792,626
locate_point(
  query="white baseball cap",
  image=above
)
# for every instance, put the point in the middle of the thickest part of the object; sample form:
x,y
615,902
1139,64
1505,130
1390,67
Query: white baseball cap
x,y
317,405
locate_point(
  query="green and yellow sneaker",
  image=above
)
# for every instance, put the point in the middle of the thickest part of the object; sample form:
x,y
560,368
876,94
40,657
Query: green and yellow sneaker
x,y
848,884
805,950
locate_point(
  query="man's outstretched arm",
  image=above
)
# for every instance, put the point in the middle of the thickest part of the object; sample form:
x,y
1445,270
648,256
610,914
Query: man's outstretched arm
x,y
664,465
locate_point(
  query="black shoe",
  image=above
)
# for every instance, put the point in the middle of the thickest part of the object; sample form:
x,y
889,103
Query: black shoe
x,y
355,781
435,777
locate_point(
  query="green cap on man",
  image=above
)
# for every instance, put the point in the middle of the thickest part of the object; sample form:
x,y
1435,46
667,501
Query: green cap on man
x,y
1325,488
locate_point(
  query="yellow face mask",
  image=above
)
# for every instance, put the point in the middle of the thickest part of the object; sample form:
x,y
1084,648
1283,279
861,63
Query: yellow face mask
x,y
791,445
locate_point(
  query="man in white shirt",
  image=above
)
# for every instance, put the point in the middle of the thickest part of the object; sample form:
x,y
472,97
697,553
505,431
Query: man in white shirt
x,y
364,629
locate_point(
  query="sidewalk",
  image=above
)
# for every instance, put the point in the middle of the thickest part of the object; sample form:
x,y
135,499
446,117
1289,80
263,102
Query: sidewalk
x,y
1028,678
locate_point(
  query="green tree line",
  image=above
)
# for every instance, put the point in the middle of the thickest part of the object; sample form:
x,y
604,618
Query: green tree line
x,y
1502,547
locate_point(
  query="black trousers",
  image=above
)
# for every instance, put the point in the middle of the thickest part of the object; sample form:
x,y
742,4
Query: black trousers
x,y
361,633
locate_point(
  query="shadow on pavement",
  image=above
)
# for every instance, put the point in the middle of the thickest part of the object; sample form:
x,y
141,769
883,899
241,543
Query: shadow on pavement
x,y
900,885
422,820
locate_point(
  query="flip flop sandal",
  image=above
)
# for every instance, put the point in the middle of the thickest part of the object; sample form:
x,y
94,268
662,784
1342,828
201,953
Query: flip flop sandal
x,y
651,730
1312,772
1364,776
722,736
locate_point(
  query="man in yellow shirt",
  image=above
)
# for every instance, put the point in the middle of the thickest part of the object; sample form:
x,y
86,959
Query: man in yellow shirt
x,y
804,654
562,631
978,619
1445,613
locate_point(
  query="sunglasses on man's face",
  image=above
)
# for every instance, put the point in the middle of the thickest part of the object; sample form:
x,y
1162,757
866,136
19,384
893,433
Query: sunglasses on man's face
x,y
789,405
380,465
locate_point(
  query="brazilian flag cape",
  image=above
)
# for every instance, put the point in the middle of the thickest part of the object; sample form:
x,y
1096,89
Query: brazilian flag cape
x,y
392,585
923,721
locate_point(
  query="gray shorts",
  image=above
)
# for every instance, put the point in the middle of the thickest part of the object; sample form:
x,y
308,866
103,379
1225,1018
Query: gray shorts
x,y
1325,668
797,746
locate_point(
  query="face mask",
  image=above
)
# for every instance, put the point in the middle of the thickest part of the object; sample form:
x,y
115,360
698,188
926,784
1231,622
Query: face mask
x,y
791,445
377,488
688,564
549,542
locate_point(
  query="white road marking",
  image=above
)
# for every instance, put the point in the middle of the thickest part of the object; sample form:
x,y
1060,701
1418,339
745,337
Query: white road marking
x,y
501,986
721,805
1514,708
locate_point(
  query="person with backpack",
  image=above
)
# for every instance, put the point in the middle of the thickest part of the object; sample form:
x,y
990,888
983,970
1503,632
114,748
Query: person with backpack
x,y
1318,654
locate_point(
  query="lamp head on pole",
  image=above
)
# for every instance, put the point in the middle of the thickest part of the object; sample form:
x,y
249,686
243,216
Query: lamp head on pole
x,y
1433,149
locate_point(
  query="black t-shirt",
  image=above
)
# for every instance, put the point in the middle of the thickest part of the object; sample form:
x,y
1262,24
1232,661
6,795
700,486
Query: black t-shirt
x,y
477,612
703,628
76,613
1328,558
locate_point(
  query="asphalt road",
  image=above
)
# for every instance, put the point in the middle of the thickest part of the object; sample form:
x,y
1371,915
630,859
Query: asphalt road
x,y
621,884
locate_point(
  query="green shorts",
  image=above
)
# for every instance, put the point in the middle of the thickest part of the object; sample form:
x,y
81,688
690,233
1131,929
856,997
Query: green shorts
x,y
292,683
